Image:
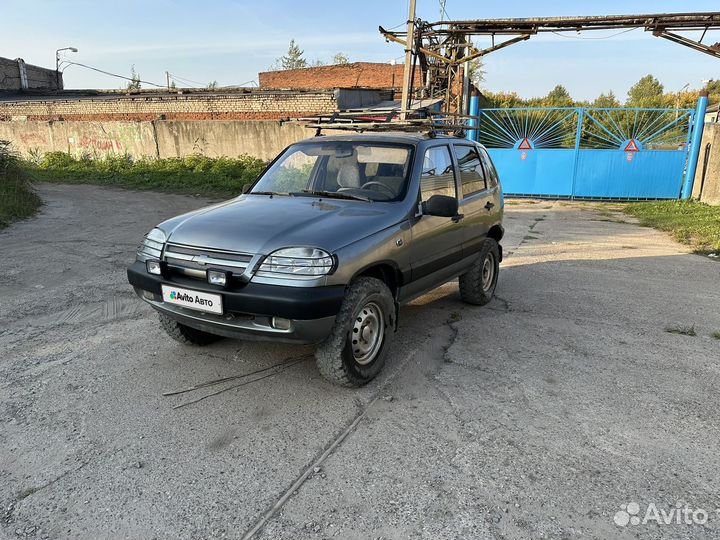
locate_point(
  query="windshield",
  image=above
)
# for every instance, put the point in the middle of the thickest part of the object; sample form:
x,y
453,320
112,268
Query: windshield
x,y
353,170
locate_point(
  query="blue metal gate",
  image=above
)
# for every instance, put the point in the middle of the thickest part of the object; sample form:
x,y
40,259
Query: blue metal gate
x,y
589,153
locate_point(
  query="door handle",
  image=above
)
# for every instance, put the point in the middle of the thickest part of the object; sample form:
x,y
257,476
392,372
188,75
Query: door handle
x,y
489,205
457,217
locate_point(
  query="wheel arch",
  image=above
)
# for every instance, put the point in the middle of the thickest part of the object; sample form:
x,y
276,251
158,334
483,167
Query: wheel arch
x,y
386,271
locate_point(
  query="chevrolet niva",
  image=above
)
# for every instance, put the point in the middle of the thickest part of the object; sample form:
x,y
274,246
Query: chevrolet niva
x,y
324,247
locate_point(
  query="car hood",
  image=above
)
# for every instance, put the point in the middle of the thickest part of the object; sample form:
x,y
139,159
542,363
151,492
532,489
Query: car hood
x,y
262,224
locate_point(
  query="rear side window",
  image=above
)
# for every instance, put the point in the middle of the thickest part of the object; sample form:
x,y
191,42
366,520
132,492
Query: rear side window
x,y
492,175
472,175
438,173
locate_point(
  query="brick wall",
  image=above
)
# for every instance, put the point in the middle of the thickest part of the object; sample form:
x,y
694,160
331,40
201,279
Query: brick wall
x,y
356,75
256,105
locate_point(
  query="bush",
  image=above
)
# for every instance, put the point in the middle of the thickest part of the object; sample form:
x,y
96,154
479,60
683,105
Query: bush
x,y
17,198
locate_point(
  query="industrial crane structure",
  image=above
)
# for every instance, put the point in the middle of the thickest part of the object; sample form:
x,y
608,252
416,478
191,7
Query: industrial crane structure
x,y
443,49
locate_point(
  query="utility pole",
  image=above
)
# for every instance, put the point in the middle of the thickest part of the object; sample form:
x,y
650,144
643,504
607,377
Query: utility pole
x,y
167,79
407,74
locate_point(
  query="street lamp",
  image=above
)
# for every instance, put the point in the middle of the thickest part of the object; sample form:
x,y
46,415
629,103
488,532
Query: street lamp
x,y
57,63
677,99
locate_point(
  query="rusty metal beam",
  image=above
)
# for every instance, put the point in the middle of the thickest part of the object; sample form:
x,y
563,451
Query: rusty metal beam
x,y
445,45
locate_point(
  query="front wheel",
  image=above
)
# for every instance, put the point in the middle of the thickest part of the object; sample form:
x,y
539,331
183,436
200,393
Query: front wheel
x,y
477,285
355,351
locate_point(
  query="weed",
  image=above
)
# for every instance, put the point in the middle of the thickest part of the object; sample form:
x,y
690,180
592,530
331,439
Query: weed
x,y
195,174
17,198
681,330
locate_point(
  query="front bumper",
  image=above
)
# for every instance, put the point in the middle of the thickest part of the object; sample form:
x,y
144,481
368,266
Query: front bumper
x,y
249,308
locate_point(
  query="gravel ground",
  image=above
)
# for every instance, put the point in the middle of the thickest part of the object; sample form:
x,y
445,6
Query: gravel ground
x,y
539,415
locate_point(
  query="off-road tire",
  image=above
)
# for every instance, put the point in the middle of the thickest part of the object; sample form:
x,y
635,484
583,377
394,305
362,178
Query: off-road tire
x,y
472,288
334,357
185,334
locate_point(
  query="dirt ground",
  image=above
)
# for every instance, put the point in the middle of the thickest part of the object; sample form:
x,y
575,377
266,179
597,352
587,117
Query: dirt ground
x,y
571,406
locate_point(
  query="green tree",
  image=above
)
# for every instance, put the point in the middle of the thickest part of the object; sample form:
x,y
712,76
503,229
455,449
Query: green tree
x,y
292,59
606,101
340,58
134,84
212,85
558,97
476,73
647,92
713,86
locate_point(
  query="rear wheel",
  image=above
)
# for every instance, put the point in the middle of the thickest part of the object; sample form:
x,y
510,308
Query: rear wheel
x,y
355,351
477,285
185,334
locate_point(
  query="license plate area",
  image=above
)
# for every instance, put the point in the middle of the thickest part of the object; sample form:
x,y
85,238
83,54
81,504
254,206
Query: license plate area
x,y
190,299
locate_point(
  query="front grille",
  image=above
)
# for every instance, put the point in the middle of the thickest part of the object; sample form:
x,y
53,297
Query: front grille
x,y
194,261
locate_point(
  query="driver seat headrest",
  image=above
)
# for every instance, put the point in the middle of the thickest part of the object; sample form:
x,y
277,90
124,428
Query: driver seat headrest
x,y
348,176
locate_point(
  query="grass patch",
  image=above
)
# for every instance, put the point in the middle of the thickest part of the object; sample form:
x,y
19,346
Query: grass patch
x,y
681,330
223,177
690,222
17,198
716,335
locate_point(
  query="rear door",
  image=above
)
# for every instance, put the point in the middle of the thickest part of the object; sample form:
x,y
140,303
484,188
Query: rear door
x,y
477,200
436,241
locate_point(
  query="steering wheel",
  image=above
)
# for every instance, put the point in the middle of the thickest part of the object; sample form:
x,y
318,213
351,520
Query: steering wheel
x,y
380,184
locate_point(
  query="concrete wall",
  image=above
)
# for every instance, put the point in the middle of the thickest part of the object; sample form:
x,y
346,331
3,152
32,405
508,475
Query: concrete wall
x,y
215,138
706,187
262,139
35,76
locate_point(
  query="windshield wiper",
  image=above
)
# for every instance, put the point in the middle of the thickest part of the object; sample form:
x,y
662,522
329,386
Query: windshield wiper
x,y
271,193
337,195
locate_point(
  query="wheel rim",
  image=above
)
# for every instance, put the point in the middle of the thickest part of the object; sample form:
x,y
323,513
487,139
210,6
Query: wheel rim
x,y
366,335
488,272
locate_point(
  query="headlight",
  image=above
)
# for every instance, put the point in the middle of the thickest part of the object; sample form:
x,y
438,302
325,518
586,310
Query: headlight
x,y
296,263
152,245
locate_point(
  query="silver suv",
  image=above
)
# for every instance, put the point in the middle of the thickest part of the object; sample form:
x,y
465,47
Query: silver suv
x,y
334,236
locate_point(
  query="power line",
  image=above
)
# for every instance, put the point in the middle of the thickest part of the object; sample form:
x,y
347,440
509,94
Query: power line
x,y
113,74
183,79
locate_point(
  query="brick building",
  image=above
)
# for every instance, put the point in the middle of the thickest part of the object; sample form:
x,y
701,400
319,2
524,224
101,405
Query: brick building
x,y
355,75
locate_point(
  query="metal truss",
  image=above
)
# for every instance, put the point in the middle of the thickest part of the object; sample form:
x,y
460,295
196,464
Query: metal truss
x,y
443,47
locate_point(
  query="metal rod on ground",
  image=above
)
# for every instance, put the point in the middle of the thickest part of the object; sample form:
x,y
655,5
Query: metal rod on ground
x,y
408,61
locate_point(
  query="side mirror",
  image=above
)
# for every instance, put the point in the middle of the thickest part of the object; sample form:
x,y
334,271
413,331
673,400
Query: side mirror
x,y
440,205
246,188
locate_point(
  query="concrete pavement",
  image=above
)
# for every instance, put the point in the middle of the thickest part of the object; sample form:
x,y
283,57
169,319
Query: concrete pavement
x,y
539,415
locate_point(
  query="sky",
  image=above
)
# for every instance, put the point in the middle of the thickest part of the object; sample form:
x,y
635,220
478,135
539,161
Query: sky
x,y
231,41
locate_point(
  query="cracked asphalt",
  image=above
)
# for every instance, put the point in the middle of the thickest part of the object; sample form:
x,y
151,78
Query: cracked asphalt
x,y
538,416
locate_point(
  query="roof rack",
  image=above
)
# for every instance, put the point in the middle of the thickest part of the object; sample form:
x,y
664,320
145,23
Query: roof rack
x,y
429,122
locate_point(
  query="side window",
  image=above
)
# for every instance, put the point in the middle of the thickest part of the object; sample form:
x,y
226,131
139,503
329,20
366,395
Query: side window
x,y
472,175
492,175
438,173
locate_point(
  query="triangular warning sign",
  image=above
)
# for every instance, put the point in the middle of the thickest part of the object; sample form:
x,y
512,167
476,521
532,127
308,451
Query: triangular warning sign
x,y
525,145
632,146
